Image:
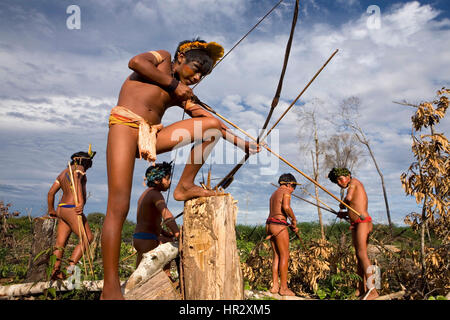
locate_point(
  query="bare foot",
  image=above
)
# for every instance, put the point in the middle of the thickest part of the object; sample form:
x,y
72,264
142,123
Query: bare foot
x,y
274,289
184,193
286,292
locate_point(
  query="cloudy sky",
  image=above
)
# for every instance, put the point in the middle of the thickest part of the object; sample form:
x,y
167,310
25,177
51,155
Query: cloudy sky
x,y
58,85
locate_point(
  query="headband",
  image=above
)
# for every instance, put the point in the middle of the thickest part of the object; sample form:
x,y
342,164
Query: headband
x,y
90,153
214,50
290,182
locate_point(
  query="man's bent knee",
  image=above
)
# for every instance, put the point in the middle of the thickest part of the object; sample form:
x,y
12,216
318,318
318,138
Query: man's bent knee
x,y
211,123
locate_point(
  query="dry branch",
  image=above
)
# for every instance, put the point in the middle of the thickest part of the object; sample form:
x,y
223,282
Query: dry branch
x,y
395,295
23,289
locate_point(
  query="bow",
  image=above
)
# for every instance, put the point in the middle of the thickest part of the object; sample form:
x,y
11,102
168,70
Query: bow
x,y
215,65
225,182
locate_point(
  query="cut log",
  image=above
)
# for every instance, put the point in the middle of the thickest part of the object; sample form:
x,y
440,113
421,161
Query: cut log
x,y
44,235
210,259
158,287
151,263
24,289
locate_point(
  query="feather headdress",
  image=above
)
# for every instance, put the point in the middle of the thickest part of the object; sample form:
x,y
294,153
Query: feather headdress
x,y
214,50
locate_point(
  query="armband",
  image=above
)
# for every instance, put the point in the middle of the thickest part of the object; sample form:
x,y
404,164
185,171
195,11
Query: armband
x,y
158,57
171,224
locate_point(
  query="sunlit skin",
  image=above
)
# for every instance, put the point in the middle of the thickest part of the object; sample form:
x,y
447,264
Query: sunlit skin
x,y
152,209
356,198
68,217
143,93
280,208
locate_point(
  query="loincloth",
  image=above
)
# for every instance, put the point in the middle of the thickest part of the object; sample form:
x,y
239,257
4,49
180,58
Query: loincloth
x,y
147,132
65,205
145,236
277,221
367,219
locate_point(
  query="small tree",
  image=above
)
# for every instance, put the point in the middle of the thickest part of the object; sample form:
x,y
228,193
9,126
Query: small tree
x,y
343,151
428,179
307,117
349,112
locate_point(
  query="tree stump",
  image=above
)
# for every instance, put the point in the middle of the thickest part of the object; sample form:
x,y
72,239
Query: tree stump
x,y
210,260
44,235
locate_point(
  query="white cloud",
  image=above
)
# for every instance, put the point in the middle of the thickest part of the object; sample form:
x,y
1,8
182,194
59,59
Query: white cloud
x,y
51,90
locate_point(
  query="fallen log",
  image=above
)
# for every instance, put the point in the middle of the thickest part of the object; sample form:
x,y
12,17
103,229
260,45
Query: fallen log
x,y
151,263
24,289
391,296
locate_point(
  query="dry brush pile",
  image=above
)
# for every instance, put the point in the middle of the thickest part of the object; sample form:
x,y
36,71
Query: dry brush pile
x,y
309,264
327,269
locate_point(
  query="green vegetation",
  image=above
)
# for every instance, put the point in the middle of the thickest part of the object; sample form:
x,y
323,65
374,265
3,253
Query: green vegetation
x,y
336,281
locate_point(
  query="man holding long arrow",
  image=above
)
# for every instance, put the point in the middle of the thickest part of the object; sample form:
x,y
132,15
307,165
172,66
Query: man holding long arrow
x,y
361,226
276,228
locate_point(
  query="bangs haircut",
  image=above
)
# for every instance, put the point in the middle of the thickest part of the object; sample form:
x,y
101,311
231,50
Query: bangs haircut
x,y
202,57
197,55
335,173
286,178
81,158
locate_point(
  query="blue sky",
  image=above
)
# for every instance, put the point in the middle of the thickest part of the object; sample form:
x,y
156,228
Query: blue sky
x,y
58,85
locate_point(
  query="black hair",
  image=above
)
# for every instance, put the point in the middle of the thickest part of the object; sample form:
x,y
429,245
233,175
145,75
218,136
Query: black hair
x,y
157,173
199,55
335,173
82,158
285,178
